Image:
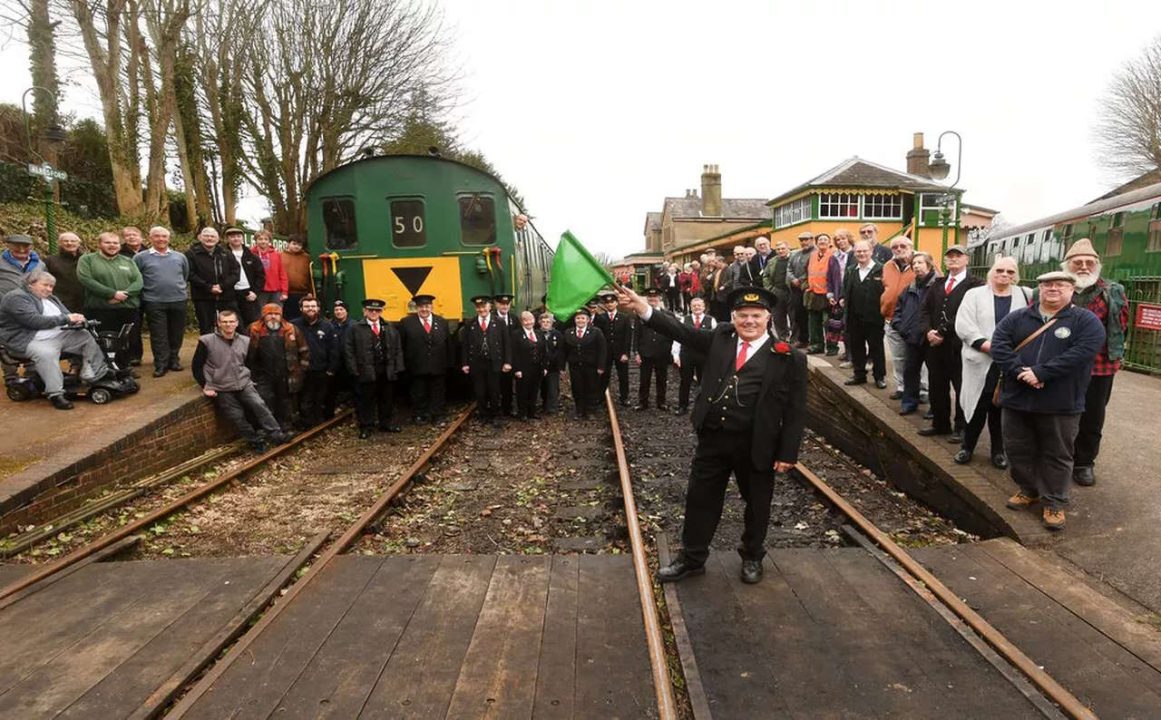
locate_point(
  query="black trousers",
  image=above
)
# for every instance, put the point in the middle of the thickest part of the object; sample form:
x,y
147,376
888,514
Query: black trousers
x,y
1040,450
136,347
622,378
658,367
374,403
781,316
718,454
428,396
486,389
313,399
276,395
526,388
248,312
988,413
798,317
206,312
867,337
690,369
241,405
550,391
166,329
113,318
944,372
507,392
1092,422
586,388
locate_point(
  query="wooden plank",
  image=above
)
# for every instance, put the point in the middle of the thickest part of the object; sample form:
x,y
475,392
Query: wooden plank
x,y
1102,674
172,589
341,676
698,703
419,678
134,680
47,576
613,673
556,676
498,676
253,689
12,571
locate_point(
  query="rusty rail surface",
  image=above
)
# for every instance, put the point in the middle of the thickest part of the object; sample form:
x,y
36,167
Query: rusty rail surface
x,y
666,706
126,530
1068,702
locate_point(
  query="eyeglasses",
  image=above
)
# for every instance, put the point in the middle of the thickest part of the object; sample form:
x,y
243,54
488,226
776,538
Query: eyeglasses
x,y
899,247
1083,262
1005,272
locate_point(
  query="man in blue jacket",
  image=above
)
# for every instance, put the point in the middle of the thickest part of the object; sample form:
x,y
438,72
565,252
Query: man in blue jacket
x,y
1045,354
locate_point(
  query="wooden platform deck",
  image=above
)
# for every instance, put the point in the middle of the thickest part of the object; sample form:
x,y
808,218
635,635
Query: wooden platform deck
x,y
834,633
104,640
450,636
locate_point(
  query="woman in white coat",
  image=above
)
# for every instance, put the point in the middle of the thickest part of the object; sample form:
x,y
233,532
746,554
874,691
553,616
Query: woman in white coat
x,y
982,309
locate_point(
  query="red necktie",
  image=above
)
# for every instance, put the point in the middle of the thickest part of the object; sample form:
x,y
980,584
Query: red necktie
x,y
697,323
950,285
580,334
484,325
427,325
375,329
531,337
741,356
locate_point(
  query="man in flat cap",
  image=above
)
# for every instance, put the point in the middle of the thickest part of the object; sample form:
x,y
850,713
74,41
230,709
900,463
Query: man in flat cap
x,y
17,259
796,268
617,328
1045,354
374,357
585,349
427,348
1105,299
485,354
749,415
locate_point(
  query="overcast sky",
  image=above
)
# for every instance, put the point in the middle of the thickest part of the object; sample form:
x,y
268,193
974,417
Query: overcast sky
x,y
596,111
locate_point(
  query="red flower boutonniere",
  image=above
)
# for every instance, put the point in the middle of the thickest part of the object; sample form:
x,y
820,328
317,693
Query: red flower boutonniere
x,y
782,347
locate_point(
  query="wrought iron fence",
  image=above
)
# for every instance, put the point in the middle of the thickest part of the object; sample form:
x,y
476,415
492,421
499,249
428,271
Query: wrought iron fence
x,y
1143,345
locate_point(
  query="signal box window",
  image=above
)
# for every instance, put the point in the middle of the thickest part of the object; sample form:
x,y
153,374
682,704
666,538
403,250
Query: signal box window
x,y
408,223
339,221
477,220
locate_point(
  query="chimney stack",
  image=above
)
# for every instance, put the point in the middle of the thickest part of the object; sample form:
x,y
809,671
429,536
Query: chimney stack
x,y
918,157
711,191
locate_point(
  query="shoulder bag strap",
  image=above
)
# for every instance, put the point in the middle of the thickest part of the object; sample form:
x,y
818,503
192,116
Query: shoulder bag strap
x,y
1036,334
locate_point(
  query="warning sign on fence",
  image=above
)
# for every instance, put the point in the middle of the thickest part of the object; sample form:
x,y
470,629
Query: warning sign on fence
x,y
1148,317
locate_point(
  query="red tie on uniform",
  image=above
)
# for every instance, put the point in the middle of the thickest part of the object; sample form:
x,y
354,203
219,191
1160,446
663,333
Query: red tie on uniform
x,y
950,285
741,356
375,329
427,325
484,325
697,322
531,337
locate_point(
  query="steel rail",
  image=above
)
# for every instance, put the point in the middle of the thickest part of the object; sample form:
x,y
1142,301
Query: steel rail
x,y
666,705
352,533
126,530
1068,702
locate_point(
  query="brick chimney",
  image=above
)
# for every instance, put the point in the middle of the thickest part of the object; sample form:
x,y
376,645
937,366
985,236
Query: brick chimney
x,y
711,191
917,157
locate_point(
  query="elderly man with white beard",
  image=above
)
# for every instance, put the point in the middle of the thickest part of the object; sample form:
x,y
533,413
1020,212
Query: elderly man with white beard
x,y
1107,301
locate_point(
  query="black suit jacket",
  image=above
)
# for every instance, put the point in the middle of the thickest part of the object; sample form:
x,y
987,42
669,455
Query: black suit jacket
x,y
585,352
472,343
780,417
939,309
861,297
527,357
690,354
426,353
618,333
652,344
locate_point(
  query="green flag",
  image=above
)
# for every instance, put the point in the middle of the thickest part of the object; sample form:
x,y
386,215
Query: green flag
x,y
576,277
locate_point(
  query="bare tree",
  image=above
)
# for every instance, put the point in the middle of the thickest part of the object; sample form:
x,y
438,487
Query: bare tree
x,y
1129,131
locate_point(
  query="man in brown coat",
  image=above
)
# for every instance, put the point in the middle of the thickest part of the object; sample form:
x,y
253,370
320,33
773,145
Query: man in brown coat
x,y
278,358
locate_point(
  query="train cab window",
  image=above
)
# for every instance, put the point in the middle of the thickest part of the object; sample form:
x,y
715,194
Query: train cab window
x,y
477,219
339,221
408,223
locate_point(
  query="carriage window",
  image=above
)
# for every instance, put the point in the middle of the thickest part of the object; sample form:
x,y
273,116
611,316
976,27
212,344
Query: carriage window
x,y
408,223
477,220
339,221
1115,241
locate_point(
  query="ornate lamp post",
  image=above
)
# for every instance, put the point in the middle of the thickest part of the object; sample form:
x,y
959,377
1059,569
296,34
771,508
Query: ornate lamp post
x,y
940,169
54,134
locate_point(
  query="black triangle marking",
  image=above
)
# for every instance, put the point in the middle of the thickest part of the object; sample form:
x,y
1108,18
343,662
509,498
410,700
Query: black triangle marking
x,y
412,277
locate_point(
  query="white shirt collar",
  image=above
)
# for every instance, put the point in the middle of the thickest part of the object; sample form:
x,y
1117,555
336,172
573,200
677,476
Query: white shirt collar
x,y
755,345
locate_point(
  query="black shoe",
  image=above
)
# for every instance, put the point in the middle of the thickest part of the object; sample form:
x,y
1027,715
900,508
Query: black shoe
x,y
1000,460
751,571
390,428
897,395
1081,475
956,436
497,423
281,438
814,350
176,366
60,402
258,447
135,362
908,411
930,431
831,353
929,415
963,457
681,410
679,569
364,433
160,371
881,384
856,381
663,408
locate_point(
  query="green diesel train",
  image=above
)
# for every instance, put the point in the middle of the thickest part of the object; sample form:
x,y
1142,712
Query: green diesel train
x,y
395,226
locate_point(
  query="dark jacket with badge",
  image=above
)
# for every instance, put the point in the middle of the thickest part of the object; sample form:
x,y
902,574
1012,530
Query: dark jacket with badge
x,y
1061,357
861,297
652,344
589,351
493,347
939,309
326,352
527,356
427,353
618,334
780,413
368,356
553,349
688,353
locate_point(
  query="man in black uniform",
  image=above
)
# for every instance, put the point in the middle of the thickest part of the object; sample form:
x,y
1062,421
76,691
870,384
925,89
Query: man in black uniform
x,y
617,328
749,416
485,353
654,354
527,365
690,362
374,357
585,349
553,363
428,351
504,317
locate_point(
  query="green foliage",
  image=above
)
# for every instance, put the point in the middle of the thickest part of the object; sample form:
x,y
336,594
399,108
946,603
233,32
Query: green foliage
x,y
28,218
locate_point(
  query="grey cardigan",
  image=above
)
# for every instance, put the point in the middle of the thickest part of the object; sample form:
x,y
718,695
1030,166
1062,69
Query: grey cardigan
x,y
22,314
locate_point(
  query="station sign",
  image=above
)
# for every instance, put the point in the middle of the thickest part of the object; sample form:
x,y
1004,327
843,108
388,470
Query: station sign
x,y
1148,317
48,172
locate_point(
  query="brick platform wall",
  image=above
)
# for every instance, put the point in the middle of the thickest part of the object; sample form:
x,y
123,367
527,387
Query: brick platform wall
x,y
189,429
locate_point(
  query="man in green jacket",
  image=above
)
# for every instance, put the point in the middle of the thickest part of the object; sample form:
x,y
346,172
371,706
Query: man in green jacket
x,y
112,284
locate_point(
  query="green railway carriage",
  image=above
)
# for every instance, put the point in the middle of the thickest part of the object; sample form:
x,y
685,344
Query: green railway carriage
x,y
399,225
1125,230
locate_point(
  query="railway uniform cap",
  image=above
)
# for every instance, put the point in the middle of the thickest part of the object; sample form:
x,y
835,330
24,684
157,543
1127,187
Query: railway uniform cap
x,y
18,240
744,297
481,299
592,303
582,310
652,292
608,297
340,303
423,299
374,304
1057,275
502,298
955,249
1081,248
